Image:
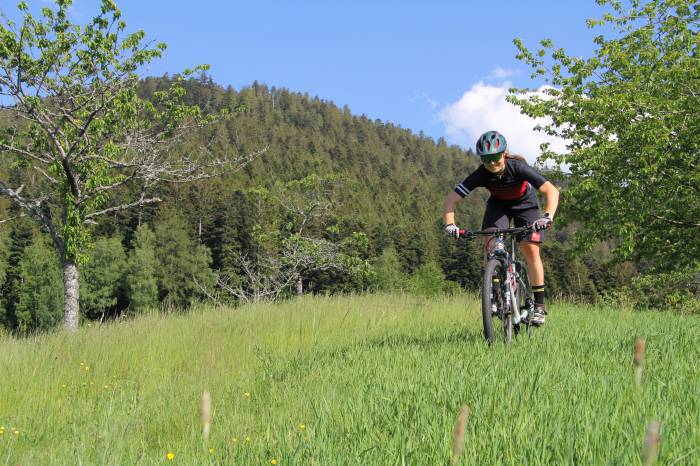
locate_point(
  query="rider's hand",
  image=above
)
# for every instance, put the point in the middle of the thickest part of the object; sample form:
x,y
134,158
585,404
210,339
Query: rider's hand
x,y
452,230
542,223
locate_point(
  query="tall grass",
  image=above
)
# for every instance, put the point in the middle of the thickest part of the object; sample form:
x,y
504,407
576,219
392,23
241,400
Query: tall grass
x,y
352,380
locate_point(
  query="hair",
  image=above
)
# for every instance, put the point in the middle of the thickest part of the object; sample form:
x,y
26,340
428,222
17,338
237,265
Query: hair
x,y
516,157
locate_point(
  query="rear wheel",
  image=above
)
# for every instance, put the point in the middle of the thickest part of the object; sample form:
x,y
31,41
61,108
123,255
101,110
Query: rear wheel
x,y
492,299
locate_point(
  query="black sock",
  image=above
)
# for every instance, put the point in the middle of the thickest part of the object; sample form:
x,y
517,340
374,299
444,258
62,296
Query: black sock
x,y
538,291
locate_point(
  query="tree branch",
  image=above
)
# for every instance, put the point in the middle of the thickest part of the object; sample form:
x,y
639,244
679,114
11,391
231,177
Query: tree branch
x,y
34,208
676,222
6,220
140,202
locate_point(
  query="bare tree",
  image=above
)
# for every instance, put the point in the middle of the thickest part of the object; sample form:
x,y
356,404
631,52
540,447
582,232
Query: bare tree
x,y
79,131
268,277
303,209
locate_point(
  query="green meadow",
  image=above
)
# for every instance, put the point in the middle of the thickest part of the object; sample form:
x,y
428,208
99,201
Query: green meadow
x,y
360,380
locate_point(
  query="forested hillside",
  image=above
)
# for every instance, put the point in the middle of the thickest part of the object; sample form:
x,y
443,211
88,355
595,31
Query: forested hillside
x,y
345,202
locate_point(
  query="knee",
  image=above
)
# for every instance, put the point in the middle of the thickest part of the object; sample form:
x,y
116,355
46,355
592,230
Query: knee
x,y
531,251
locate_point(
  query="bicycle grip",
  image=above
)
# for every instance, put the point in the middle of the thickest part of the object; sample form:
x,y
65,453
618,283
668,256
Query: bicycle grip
x,y
467,234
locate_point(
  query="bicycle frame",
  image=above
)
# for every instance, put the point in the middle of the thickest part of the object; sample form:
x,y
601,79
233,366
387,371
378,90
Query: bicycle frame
x,y
510,278
509,274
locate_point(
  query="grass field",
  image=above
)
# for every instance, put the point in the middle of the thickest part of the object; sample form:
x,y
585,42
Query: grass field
x,y
351,380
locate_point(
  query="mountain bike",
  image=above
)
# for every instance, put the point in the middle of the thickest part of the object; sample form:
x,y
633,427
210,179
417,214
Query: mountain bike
x,y
506,292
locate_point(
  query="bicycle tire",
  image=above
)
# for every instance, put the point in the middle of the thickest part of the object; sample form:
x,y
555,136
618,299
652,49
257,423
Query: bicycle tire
x,y
494,269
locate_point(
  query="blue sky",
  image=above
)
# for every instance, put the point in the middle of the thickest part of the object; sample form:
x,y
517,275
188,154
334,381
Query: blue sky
x,y
441,67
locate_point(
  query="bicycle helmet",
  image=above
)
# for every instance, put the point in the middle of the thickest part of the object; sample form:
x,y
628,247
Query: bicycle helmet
x,y
491,143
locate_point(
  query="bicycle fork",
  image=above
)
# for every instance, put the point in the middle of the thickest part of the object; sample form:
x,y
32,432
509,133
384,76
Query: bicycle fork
x,y
512,297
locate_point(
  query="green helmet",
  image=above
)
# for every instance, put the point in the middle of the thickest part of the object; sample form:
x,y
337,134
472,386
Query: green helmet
x,y
490,143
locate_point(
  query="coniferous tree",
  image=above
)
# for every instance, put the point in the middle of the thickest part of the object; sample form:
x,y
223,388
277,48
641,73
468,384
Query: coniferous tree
x,y
4,256
141,286
40,298
183,273
102,278
20,238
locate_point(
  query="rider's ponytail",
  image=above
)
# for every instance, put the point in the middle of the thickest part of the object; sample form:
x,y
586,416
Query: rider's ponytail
x,y
516,157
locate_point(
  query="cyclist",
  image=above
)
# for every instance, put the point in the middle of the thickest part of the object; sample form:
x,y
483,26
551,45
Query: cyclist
x,y
512,183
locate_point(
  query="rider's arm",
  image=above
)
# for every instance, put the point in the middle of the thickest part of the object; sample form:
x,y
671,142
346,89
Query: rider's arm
x,y
551,195
450,201
474,180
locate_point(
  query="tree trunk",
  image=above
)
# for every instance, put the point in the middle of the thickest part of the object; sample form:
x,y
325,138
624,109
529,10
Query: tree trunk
x,y
71,293
300,287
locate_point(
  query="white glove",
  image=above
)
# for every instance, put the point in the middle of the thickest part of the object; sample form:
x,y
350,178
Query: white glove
x,y
452,230
542,223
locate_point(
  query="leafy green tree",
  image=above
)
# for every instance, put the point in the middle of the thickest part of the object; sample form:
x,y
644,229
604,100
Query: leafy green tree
x,y
77,121
102,278
40,298
630,116
140,281
183,273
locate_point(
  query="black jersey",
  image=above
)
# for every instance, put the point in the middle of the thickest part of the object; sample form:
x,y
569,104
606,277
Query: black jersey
x,y
511,185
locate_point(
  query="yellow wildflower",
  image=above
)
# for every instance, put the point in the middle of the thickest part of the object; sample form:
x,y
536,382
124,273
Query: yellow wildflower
x,y
211,451
302,426
273,461
15,431
170,456
246,394
247,439
234,440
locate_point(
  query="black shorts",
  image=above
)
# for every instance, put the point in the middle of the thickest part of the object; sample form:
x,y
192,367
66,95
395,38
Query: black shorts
x,y
499,214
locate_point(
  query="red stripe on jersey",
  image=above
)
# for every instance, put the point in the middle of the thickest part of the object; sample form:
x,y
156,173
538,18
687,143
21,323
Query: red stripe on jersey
x,y
508,193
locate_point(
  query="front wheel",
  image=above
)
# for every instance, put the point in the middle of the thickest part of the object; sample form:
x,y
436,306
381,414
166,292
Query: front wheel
x,y
524,296
493,302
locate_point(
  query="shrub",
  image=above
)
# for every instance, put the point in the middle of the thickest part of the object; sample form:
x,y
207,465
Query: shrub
x,y
429,280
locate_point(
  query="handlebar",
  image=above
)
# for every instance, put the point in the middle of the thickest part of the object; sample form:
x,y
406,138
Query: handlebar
x,y
501,231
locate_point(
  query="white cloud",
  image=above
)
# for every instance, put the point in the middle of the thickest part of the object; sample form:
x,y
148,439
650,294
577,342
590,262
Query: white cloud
x,y
501,73
483,108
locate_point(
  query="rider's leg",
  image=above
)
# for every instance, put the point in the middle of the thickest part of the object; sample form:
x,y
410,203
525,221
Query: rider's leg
x,y
535,269
496,216
530,247
535,272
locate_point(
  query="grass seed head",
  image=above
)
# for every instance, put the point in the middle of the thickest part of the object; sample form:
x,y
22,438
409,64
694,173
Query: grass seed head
x,y
458,434
638,360
206,414
652,442
639,352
